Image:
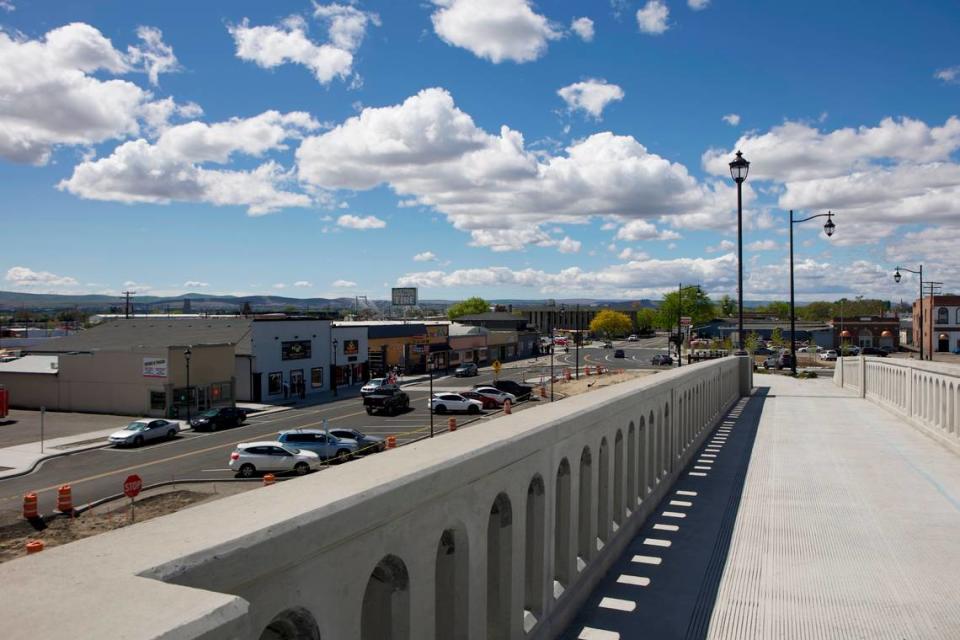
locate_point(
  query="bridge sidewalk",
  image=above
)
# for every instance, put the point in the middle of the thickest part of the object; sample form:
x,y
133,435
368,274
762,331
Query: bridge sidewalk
x,y
821,516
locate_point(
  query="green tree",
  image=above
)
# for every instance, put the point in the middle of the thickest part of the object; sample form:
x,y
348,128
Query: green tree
x,y
777,337
816,311
646,319
609,323
751,341
777,309
727,306
468,307
695,303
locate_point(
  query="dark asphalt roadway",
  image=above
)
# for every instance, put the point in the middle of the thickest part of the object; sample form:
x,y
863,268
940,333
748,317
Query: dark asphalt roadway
x,y
100,472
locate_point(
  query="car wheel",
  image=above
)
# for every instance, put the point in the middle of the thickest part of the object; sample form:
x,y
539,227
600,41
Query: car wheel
x,y
171,434
343,455
247,470
138,441
440,409
301,468
369,411
473,409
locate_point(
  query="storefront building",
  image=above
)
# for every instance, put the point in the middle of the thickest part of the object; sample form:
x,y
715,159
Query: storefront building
x,y
350,356
467,344
390,344
291,358
501,345
867,331
941,322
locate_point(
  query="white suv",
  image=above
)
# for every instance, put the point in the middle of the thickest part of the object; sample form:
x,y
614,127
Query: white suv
x,y
443,402
250,458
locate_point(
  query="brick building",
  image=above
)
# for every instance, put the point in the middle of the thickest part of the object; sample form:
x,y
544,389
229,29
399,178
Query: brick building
x,y
941,323
867,331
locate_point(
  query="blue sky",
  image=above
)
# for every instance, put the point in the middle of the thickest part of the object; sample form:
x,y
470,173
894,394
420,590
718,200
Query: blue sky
x,y
502,148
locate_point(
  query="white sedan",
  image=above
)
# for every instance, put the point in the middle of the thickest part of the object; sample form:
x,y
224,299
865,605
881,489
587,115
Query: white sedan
x,y
444,402
496,394
254,457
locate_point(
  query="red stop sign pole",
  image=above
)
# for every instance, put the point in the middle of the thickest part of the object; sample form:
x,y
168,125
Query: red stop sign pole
x,y
131,488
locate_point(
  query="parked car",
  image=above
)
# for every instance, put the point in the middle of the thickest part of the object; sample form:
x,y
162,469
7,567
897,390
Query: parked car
x,y
497,394
214,419
829,354
873,351
632,338
250,458
784,360
888,349
367,444
487,401
466,369
325,445
444,402
762,351
140,431
376,385
619,354
521,391
607,344
386,400
661,359
770,362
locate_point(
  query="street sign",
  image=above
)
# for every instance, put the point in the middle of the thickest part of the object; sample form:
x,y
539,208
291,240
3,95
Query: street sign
x,y
132,486
685,321
404,296
496,366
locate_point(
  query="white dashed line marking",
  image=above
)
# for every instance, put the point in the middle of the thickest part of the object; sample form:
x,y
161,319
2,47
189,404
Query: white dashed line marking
x,y
686,493
589,633
708,455
680,503
702,468
646,560
618,604
656,542
666,527
637,581
673,514
696,473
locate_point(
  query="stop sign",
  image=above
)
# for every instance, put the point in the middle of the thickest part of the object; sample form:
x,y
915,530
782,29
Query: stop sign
x,y
132,485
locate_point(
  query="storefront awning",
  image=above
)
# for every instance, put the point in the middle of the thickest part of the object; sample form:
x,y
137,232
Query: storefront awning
x,y
886,334
844,334
434,348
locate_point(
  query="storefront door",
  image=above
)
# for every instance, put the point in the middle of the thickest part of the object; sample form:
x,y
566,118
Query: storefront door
x,y
297,387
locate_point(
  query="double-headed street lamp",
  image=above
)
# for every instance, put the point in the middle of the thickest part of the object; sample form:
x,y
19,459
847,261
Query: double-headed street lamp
x,y
738,171
187,353
828,228
896,278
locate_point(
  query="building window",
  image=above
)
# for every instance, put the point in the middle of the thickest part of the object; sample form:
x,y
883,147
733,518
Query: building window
x,y
221,392
943,317
958,315
316,377
158,400
275,383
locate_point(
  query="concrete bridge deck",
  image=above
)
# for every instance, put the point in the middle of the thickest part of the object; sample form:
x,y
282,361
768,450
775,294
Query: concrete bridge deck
x,y
821,516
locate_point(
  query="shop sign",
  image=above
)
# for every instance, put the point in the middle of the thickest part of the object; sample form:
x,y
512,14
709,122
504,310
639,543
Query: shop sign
x,y
154,367
351,347
404,296
295,350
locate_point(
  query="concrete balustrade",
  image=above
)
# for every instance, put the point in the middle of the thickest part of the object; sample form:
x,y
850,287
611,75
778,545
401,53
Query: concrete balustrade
x,y
497,531
927,394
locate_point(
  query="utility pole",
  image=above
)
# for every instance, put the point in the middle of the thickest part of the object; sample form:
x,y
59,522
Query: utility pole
x,y
126,304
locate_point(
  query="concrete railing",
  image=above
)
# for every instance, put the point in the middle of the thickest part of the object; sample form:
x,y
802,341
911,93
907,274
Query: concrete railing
x,y
497,531
925,393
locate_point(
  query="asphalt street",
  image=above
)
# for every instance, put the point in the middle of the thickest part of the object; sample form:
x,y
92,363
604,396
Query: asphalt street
x,y
98,473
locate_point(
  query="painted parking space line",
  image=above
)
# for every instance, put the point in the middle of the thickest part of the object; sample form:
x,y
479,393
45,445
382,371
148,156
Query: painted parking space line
x,y
617,604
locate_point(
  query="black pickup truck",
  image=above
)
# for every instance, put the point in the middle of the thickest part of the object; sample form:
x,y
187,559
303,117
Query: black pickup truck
x,y
390,401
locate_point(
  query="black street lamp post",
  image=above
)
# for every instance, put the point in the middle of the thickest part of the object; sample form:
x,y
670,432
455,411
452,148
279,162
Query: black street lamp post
x,y
187,353
738,171
828,228
896,278
579,339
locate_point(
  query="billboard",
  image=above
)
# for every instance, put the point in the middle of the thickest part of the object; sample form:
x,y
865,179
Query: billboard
x,y
404,296
154,367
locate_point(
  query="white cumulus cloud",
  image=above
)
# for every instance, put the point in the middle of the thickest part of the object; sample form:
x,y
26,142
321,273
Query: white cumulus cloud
x,y
344,284
495,30
51,95
426,256
172,168
762,245
270,46
360,222
591,96
195,284
732,119
26,277
652,17
698,5
583,27
949,75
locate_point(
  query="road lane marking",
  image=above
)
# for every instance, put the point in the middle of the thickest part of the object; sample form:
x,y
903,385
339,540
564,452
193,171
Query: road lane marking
x,y
647,560
686,493
656,542
673,514
589,633
680,503
618,604
666,527
636,581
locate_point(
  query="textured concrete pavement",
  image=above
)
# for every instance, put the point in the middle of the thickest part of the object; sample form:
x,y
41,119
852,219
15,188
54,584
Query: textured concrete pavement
x,y
849,525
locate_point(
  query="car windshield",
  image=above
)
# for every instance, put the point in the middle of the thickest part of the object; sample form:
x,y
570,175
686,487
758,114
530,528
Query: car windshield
x,y
212,413
136,426
376,382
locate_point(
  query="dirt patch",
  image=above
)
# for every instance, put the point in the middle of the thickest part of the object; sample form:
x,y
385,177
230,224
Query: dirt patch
x,y
14,537
592,383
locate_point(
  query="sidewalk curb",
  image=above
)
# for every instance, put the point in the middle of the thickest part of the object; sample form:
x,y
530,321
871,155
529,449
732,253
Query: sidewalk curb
x,y
18,473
